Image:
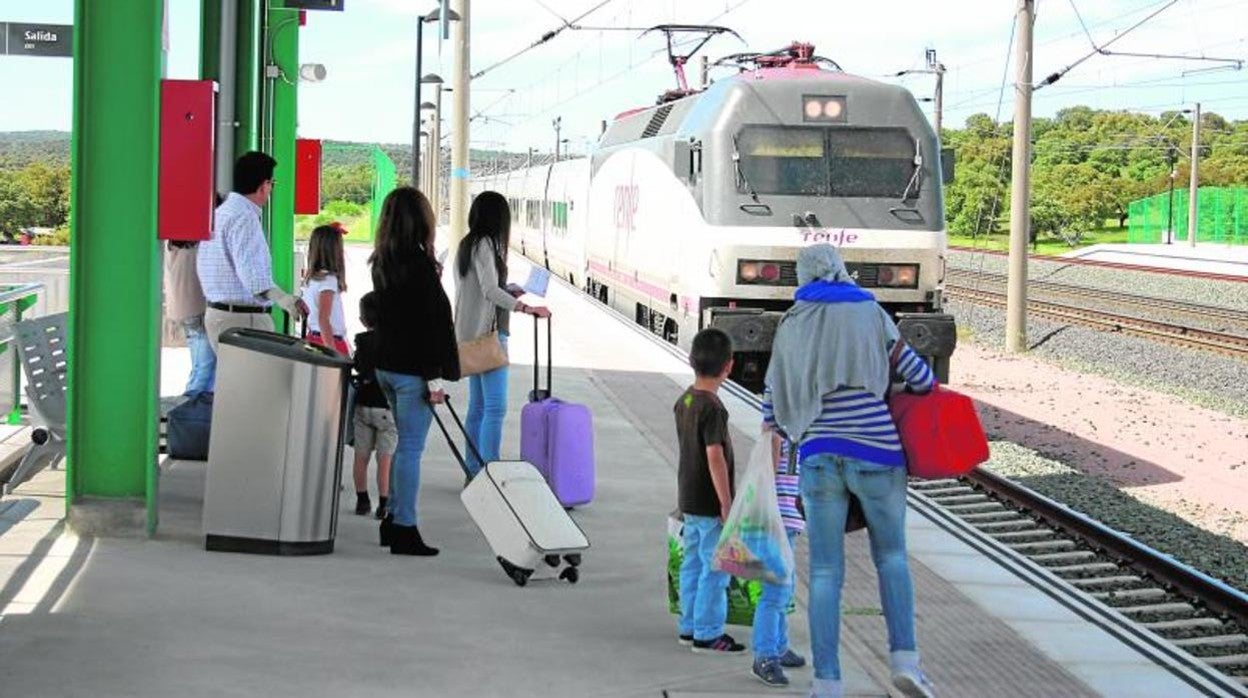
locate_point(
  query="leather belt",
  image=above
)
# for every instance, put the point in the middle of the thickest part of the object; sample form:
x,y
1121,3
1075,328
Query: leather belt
x,y
231,308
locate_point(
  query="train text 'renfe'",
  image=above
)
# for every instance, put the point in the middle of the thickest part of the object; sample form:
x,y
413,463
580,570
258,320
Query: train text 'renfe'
x,y
626,201
832,237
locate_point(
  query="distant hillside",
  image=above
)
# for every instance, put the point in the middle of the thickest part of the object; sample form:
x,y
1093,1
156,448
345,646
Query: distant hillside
x,y
21,148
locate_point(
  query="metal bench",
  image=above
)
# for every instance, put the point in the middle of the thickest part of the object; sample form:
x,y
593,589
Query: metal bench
x,y
41,346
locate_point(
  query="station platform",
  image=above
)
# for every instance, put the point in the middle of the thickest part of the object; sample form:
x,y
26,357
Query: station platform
x,y
159,617
1209,258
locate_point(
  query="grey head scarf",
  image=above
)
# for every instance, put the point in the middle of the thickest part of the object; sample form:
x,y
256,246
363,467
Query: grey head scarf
x,y
835,336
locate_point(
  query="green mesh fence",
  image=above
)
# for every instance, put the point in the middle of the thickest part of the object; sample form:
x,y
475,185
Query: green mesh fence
x,y
383,181
1221,215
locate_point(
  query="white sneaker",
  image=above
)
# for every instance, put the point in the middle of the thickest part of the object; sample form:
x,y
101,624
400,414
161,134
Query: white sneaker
x,y
913,683
827,688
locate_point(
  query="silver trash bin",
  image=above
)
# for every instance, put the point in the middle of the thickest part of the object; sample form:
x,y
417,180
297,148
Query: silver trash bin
x,y
275,454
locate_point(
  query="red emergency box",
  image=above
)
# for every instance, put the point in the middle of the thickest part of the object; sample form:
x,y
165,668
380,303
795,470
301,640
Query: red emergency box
x,y
187,133
307,176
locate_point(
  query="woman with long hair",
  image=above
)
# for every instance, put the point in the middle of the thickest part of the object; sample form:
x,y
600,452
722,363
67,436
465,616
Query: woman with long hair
x,y
416,350
483,304
831,363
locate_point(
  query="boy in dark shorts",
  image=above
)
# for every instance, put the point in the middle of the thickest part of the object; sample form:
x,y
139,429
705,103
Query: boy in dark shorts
x,y
705,487
374,425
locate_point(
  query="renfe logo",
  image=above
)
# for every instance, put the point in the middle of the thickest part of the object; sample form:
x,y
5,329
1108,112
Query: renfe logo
x,y
832,237
627,197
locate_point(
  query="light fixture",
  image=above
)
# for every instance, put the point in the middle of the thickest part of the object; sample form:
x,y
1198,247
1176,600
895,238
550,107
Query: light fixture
x,y
428,106
432,79
312,72
436,15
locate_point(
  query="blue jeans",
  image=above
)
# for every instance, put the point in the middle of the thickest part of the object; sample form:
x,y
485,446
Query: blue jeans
x,y
487,406
771,622
703,589
203,359
412,416
826,482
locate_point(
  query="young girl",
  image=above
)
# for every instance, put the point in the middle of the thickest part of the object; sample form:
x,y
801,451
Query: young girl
x,y
323,285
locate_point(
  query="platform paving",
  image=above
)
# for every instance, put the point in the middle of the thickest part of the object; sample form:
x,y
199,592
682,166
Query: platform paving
x,y
161,617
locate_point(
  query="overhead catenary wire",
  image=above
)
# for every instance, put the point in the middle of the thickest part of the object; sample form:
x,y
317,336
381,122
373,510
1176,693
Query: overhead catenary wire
x,y
567,24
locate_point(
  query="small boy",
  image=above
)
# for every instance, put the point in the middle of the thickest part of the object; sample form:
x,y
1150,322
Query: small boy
x,y
373,423
771,625
705,487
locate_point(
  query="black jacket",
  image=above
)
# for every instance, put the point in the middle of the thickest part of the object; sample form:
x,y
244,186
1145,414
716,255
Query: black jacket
x,y
415,334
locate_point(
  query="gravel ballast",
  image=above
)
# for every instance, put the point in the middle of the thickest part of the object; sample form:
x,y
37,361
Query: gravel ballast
x,y
1213,554
1227,294
1210,380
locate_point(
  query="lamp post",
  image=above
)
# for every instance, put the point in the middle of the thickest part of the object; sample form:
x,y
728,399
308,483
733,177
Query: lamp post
x,y
435,140
421,21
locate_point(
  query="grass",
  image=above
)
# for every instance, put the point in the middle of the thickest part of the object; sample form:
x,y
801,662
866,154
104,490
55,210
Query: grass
x,y
359,227
1000,240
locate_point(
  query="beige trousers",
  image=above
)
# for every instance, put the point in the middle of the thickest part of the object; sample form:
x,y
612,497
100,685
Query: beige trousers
x,y
217,321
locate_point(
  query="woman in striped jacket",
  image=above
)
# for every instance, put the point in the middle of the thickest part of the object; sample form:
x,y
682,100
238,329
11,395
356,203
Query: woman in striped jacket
x,y
832,361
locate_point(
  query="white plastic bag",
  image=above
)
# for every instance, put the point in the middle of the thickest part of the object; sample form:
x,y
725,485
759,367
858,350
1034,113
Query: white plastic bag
x,y
753,544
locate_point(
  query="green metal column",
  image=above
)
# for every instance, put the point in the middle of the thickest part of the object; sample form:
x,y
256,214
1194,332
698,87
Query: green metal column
x,y
249,73
114,326
210,39
281,107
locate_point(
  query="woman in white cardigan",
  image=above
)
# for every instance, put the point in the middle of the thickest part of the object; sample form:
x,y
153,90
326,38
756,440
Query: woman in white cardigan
x,y
482,305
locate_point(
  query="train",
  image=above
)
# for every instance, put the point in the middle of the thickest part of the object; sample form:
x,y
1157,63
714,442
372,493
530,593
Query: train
x,y
690,213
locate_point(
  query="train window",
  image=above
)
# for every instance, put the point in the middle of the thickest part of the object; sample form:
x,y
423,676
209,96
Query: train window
x,y
782,160
829,161
870,161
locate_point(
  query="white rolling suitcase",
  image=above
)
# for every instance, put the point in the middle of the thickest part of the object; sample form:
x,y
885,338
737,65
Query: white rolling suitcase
x,y
527,528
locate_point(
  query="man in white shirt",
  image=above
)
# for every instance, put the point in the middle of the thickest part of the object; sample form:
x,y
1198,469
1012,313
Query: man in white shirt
x,y
235,267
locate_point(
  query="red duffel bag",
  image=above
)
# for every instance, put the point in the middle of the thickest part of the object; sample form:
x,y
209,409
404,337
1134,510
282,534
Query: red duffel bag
x,y
940,433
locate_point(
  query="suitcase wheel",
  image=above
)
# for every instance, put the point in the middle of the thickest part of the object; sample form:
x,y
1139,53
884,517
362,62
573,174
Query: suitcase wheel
x,y
573,559
519,575
552,560
571,574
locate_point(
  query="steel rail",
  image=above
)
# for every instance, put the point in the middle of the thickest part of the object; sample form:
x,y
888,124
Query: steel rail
x,y
1123,266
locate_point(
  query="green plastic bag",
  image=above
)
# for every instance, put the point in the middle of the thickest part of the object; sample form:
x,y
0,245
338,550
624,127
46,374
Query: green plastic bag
x,y
742,594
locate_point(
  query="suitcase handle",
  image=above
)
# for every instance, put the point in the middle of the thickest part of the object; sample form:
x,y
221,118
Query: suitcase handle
x,y
463,464
538,394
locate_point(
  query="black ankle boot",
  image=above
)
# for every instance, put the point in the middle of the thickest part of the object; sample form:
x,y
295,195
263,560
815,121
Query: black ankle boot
x,y
386,529
362,504
406,540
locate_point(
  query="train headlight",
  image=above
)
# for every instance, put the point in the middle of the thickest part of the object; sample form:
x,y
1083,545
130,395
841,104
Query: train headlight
x,y
898,276
825,108
765,272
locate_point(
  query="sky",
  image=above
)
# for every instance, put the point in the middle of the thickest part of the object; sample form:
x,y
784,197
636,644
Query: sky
x,y
586,75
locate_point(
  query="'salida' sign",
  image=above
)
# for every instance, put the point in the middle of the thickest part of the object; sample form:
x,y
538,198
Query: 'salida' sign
x,y
17,39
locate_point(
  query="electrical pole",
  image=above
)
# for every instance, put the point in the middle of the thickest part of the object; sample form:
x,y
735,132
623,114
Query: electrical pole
x,y
938,99
558,124
1020,195
1192,218
459,118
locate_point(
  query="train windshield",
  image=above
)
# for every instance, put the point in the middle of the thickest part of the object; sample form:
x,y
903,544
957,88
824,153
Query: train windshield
x,y
828,161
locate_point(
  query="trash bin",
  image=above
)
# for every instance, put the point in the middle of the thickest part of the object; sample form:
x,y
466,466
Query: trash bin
x,y
275,454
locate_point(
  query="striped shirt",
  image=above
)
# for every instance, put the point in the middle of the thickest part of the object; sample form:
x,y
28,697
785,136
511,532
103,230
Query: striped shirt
x,y
787,491
234,265
856,423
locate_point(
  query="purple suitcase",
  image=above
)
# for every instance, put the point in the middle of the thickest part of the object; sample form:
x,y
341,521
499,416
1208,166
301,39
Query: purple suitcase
x,y
557,437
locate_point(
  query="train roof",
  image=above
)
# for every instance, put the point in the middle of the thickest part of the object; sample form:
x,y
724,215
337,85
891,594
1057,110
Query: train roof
x,y
769,83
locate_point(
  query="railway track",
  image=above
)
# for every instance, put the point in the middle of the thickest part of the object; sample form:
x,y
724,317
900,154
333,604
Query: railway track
x,y
1124,266
1229,343
1217,318
1202,617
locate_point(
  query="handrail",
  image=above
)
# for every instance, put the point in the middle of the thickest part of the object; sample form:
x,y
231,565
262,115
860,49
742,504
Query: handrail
x,y
19,291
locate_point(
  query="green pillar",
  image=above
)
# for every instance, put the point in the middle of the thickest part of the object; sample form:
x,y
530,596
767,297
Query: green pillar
x,y
248,73
210,40
281,105
114,325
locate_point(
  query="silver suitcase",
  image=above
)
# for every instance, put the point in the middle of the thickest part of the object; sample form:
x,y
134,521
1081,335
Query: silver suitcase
x,y
530,532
